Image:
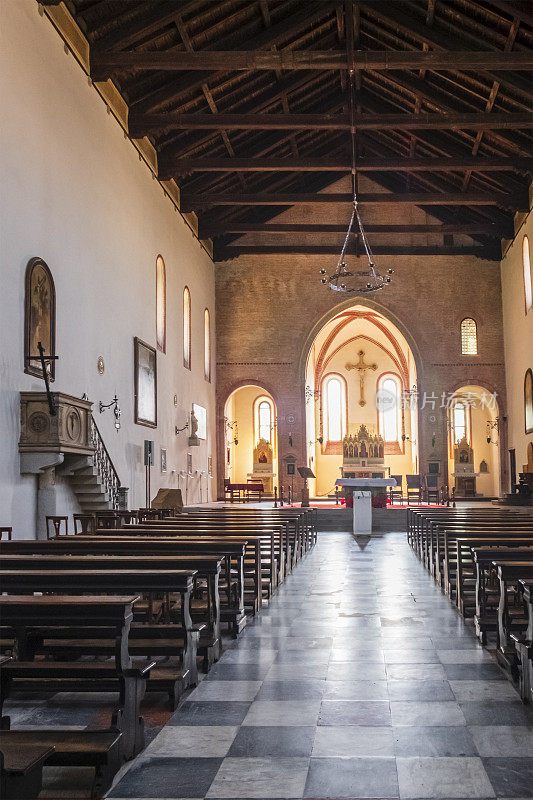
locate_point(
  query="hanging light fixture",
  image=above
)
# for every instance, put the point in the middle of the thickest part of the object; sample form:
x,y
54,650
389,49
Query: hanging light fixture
x,y
345,279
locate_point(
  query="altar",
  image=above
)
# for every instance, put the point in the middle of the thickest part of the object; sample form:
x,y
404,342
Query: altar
x,y
363,460
361,491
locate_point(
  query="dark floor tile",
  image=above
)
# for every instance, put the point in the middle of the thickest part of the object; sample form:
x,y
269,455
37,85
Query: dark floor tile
x,y
510,777
348,712
434,742
307,689
472,672
168,777
352,778
256,741
237,672
489,712
210,713
420,690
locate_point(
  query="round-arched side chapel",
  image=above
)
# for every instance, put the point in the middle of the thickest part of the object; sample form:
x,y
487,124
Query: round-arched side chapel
x,y
266,474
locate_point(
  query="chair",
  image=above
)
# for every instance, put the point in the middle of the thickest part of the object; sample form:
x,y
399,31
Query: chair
x,y
84,523
106,519
414,488
432,488
126,517
8,531
53,526
396,491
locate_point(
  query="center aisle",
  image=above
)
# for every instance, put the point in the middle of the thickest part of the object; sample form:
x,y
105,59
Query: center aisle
x,y
358,681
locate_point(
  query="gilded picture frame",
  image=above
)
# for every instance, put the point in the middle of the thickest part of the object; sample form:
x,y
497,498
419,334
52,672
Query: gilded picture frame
x,y
39,317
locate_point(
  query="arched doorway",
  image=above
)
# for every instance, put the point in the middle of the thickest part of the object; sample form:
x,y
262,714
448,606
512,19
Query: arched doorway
x,y
250,437
474,442
360,370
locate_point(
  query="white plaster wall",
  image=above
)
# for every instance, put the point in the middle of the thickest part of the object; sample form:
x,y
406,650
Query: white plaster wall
x,y
75,193
518,340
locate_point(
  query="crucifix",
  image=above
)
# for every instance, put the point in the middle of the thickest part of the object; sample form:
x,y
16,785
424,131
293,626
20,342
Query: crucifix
x,y
361,368
45,366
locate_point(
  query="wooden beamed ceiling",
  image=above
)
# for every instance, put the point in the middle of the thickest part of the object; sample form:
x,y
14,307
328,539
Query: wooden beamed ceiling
x,y
247,106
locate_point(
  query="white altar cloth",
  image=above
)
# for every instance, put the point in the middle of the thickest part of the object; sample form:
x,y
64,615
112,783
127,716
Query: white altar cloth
x,y
364,483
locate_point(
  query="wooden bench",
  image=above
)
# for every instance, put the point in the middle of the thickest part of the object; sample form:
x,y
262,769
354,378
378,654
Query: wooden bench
x,y
104,750
21,767
524,644
179,645
207,568
509,574
244,491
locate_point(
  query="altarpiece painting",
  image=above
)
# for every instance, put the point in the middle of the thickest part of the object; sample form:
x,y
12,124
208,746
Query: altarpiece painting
x,y
39,317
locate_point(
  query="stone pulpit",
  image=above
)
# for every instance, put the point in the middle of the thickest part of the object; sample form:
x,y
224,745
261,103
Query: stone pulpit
x,y
464,472
263,465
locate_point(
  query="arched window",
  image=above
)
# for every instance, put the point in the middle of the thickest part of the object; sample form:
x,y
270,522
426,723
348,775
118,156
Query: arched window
x,y
186,328
469,337
207,345
263,419
460,420
160,304
528,289
334,392
389,408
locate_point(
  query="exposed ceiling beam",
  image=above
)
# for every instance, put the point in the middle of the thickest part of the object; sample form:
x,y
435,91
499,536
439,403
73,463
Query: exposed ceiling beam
x,y
140,125
225,253
169,167
190,202
208,230
103,65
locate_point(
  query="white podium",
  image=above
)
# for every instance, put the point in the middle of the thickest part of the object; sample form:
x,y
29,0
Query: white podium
x,y
362,500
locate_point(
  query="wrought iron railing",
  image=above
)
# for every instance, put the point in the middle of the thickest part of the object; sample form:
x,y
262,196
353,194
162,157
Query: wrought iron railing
x,y
106,470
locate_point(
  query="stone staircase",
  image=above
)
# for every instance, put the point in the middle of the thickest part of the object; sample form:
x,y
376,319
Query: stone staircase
x,y
88,485
93,478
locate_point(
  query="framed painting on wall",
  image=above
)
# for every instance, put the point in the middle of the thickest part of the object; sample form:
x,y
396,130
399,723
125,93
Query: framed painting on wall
x,y
528,401
145,365
39,317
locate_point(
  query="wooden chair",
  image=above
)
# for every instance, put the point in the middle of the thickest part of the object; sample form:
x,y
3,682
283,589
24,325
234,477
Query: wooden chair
x,y
432,488
84,523
8,532
414,488
396,491
53,526
106,519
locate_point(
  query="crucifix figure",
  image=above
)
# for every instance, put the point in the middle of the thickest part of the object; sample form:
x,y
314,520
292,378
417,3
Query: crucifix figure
x,y
361,367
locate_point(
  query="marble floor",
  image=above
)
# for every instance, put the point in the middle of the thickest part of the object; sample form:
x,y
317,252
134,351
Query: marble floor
x,y
358,681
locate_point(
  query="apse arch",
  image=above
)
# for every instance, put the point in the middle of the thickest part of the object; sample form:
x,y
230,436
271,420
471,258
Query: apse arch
x,y
242,460
361,341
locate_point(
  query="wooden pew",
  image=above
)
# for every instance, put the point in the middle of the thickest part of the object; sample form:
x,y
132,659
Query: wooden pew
x,y
102,749
207,568
181,637
233,551
21,768
486,598
244,490
524,644
261,570
509,573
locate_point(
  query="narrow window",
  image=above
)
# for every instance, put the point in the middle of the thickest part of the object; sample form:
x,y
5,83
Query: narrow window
x,y
186,328
265,421
459,419
207,345
528,289
389,409
160,304
335,396
469,337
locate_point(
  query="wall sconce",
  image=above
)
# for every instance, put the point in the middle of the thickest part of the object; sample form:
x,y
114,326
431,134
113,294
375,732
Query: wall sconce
x,y
404,437
179,430
310,394
290,439
493,426
116,410
320,440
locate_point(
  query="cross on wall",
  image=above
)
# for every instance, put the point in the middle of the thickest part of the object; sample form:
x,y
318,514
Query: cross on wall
x,y
361,368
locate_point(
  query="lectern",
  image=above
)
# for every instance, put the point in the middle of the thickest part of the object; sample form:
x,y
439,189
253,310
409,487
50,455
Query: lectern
x,y
305,473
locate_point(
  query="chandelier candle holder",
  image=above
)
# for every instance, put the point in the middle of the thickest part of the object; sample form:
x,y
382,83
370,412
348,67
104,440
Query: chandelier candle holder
x,y
345,279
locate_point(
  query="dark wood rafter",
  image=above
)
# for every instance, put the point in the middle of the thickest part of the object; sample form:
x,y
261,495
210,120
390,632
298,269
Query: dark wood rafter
x,y
246,105
489,252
